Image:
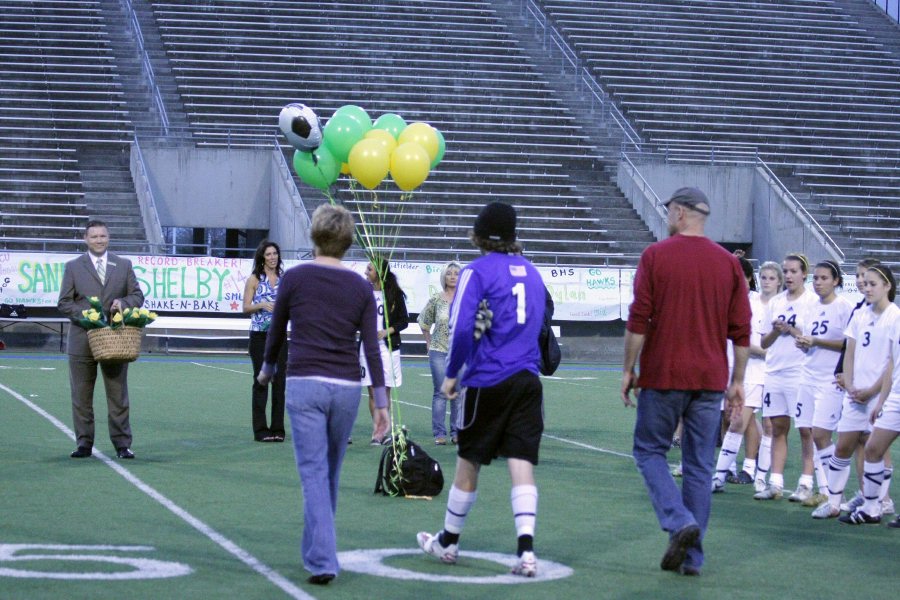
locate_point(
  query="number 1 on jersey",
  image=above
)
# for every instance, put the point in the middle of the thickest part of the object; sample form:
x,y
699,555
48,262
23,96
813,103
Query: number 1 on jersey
x,y
518,291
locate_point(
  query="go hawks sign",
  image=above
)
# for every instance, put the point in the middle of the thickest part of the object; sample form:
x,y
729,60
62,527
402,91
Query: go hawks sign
x,y
216,285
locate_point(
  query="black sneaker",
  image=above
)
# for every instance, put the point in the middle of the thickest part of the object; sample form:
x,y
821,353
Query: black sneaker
x,y
679,543
125,453
743,478
895,523
858,517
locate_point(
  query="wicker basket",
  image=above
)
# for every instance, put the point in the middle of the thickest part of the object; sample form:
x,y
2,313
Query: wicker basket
x,y
115,345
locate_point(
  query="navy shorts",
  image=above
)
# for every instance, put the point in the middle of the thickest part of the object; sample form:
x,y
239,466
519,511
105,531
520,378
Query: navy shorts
x,y
506,420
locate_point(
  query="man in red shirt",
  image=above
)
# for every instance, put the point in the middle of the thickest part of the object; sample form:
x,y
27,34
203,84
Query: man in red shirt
x,y
689,296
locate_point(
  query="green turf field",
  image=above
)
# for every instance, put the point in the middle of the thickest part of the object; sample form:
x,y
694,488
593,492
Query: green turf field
x,y
205,512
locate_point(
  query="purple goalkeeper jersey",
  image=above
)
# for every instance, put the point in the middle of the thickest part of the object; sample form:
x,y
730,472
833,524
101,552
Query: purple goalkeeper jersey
x,y
515,293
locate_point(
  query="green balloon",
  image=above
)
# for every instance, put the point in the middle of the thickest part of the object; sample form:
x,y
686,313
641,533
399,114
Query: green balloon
x,y
319,171
390,122
340,135
358,113
442,147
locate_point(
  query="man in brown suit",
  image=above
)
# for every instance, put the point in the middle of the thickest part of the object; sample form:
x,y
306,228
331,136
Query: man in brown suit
x,y
109,277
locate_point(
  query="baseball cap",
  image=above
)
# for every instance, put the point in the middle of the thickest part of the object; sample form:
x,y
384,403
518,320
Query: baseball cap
x,y
496,221
690,197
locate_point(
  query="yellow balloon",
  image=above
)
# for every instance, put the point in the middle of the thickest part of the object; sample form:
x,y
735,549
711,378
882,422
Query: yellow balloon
x,y
409,166
345,169
382,136
422,134
369,162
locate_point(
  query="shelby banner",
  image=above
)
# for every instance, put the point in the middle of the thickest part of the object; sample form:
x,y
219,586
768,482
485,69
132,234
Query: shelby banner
x,y
216,285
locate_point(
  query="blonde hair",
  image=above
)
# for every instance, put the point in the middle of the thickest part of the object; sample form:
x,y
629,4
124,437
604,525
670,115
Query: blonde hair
x,y
774,266
332,230
447,267
800,258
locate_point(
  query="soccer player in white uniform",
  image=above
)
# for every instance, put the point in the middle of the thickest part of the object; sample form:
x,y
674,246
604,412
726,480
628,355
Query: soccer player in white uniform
x,y
823,340
886,428
865,365
784,322
771,283
754,377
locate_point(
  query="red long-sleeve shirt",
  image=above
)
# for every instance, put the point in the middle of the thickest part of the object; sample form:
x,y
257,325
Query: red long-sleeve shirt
x,y
689,296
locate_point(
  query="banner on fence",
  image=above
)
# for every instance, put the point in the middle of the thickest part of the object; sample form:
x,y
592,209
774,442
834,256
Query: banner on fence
x,y
216,285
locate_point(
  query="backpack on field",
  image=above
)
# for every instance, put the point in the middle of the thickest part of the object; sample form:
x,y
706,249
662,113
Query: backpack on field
x,y
419,474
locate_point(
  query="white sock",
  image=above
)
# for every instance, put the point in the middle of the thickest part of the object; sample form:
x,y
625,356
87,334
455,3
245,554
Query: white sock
x,y
524,499
873,477
458,505
838,474
886,484
821,461
764,460
731,443
805,481
777,480
750,466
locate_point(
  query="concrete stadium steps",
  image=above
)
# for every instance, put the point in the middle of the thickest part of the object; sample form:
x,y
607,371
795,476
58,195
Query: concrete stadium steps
x,y
452,64
110,195
810,85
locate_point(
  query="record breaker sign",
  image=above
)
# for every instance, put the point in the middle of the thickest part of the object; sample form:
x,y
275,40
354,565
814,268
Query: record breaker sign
x,y
216,285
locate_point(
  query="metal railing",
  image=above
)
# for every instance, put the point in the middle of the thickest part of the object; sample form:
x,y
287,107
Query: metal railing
x,y
890,7
149,213
737,156
146,65
583,75
285,170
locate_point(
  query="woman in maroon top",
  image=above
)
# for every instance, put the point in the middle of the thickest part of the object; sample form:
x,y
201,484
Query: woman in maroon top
x,y
327,304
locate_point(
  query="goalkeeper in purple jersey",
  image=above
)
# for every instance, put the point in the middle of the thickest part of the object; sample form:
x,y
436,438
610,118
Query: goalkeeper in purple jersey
x,y
502,400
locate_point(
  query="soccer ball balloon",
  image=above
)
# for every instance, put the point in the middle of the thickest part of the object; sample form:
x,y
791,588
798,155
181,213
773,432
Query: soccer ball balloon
x,y
300,126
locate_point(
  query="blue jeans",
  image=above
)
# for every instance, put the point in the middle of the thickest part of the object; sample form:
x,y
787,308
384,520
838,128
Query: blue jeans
x,y
322,416
658,412
438,363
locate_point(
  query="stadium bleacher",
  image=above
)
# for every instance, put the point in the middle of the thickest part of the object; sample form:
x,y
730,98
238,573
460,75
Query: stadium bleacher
x,y
800,81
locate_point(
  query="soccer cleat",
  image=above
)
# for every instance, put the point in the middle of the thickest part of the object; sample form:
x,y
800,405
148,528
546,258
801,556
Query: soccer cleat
x,y
858,517
759,484
854,503
677,471
887,507
527,565
431,544
895,523
718,486
742,478
826,511
815,500
770,493
801,494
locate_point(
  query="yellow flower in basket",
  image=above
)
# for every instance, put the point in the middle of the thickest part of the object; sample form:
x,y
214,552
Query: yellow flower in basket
x,y
93,315
117,318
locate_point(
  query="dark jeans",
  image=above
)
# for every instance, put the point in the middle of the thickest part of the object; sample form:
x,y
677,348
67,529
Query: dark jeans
x,y
658,412
261,392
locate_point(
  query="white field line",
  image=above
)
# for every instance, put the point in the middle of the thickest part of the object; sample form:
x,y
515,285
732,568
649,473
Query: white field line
x,y
546,435
242,555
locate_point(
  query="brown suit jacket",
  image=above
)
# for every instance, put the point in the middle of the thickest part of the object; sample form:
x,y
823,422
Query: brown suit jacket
x,y
80,282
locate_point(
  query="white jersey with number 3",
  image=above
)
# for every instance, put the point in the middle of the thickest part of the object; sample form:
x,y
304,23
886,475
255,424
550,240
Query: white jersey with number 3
x,y
871,333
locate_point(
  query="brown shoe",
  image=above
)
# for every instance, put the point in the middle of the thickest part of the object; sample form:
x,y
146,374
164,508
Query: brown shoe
x,y
439,441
